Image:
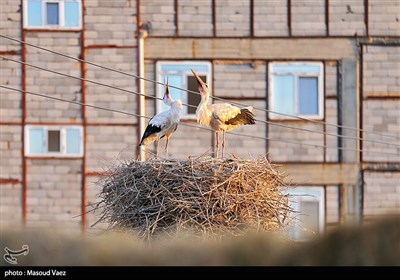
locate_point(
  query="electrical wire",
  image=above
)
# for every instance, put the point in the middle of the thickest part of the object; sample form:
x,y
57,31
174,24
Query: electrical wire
x,y
213,97
195,126
188,105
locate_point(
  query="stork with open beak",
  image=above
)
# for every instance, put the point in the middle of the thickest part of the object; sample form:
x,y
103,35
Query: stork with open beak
x,y
220,117
163,124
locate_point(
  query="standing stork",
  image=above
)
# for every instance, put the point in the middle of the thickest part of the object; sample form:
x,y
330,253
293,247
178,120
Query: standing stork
x,y
221,117
164,123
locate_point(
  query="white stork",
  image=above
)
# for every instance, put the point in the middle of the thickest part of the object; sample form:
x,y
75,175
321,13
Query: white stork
x,y
220,117
164,123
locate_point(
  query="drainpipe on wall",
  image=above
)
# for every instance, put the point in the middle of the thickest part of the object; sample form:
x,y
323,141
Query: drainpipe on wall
x,y
142,124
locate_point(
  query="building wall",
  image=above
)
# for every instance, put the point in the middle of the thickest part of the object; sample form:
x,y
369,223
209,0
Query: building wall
x,y
10,118
332,205
346,18
195,18
308,18
10,104
10,174
381,102
270,18
110,23
109,145
161,14
259,32
123,96
233,18
10,24
384,18
43,82
53,193
232,74
53,187
381,194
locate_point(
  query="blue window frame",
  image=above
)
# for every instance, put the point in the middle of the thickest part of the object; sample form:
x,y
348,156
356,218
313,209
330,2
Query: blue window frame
x,y
296,89
53,141
52,14
180,75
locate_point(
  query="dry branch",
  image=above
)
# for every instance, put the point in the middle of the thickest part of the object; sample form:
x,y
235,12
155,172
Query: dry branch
x,y
204,195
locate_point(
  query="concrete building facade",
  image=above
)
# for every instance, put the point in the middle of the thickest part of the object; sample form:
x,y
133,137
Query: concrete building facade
x,y
323,78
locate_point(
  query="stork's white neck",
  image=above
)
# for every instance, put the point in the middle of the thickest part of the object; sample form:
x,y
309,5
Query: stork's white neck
x,y
203,114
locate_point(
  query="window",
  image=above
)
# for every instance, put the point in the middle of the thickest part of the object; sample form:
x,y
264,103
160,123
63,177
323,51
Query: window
x,y
53,141
64,14
309,219
296,89
180,75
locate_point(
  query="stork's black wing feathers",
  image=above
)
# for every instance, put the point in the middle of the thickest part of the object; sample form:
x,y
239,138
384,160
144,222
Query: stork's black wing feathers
x,y
244,117
150,129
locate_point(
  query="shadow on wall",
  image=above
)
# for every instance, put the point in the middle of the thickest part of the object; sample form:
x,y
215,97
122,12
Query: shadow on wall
x,y
375,244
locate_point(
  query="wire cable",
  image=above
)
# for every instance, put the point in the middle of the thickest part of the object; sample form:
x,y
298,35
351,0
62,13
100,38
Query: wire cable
x,y
188,105
186,90
195,126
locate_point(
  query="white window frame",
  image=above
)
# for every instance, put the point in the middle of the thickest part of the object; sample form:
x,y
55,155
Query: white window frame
x,y
189,63
61,16
63,141
321,95
303,193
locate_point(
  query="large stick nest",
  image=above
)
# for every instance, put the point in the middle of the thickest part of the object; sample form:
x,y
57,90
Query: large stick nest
x,y
204,195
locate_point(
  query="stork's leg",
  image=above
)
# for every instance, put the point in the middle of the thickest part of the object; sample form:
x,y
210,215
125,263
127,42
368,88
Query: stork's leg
x,y
217,143
158,143
166,147
223,143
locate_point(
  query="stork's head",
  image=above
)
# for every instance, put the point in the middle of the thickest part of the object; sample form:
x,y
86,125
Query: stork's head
x,y
203,87
167,99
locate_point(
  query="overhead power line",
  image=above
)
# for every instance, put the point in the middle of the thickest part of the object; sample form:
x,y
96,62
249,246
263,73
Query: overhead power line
x,y
213,97
137,93
195,126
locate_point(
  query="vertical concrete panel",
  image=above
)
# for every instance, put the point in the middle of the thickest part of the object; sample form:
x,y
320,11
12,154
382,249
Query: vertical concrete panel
x,y
381,194
308,18
41,109
195,18
232,18
384,18
270,18
161,14
54,193
346,18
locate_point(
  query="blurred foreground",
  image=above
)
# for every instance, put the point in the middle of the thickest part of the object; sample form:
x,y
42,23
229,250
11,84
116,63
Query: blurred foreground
x,y
375,244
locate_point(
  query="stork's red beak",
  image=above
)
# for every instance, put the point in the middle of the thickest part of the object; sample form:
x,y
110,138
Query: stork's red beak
x,y
199,80
166,90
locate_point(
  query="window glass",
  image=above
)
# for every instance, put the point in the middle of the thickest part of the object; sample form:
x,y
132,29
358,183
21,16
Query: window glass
x,y
194,99
52,13
308,95
36,140
53,141
296,68
296,89
180,75
309,219
71,13
284,94
172,67
34,13
175,80
73,141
